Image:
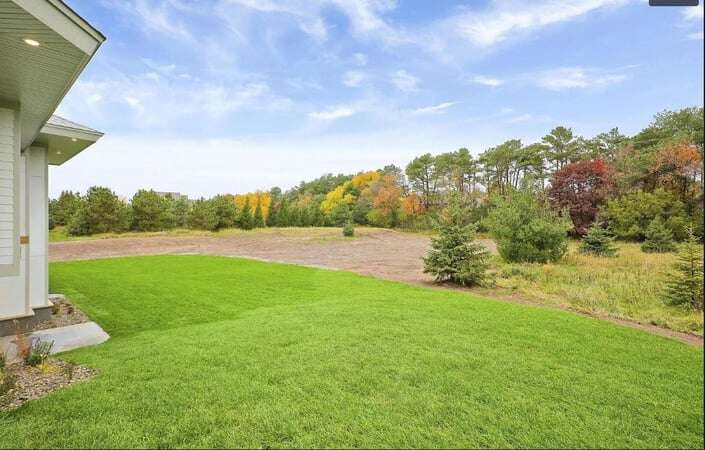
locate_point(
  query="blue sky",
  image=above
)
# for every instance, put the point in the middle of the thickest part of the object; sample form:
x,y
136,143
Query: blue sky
x,y
214,96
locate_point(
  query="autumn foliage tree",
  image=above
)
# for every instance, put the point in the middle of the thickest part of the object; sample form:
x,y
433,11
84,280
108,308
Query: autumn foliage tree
x,y
581,188
678,167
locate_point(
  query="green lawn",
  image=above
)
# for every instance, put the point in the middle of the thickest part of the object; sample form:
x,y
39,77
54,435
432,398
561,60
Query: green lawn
x,y
212,352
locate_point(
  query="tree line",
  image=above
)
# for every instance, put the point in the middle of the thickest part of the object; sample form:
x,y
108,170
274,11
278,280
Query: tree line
x,y
622,182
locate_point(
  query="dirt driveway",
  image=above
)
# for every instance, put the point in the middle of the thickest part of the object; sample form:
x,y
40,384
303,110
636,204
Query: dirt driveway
x,y
380,253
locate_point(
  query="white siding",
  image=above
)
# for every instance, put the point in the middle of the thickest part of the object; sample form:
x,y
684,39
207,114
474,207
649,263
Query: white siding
x,y
14,301
8,151
38,278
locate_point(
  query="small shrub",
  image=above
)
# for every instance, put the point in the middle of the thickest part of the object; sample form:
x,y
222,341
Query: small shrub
x,y
69,370
349,229
598,242
527,230
23,346
39,352
2,361
455,256
659,239
7,382
684,285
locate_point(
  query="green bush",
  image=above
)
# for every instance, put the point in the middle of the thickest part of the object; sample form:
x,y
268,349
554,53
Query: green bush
x,y
630,215
349,229
659,239
684,285
598,242
455,256
527,230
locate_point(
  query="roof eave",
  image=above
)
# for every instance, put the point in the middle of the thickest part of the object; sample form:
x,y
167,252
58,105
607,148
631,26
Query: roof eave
x,y
74,133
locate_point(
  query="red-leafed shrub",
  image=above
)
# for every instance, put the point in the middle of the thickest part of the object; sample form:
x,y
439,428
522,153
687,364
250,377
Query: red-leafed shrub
x,y
581,188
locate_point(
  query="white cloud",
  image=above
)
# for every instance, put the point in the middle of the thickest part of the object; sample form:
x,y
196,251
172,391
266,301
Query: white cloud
x,y
405,82
365,17
564,78
511,18
165,69
694,13
335,113
353,78
437,109
487,81
154,16
521,118
154,104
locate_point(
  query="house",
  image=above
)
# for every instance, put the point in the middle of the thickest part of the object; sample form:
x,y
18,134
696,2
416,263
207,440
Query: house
x,y
173,195
44,47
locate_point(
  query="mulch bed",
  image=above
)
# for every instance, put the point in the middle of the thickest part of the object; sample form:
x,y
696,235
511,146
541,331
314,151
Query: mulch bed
x,y
63,313
31,383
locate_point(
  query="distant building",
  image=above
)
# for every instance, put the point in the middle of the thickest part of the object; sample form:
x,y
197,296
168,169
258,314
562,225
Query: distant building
x,y
173,195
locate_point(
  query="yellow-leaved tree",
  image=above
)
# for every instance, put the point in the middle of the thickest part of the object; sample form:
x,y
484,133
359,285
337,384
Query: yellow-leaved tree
x,y
264,199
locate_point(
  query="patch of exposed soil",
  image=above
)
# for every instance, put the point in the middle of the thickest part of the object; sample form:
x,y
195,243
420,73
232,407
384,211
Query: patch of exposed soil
x,y
31,383
63,313
380,253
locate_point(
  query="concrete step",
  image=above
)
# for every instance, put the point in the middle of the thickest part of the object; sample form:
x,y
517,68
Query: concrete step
x,y
65,338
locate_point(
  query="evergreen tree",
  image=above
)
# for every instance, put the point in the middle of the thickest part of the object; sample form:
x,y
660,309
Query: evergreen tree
x,y
225,211
349,228
246,220
149,211
259,217
179,212
685,283
100,212
455,256
598,242
63,208
527,230
659,239
202,215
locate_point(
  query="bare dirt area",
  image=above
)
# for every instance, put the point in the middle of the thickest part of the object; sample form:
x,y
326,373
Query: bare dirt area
x,y
380,253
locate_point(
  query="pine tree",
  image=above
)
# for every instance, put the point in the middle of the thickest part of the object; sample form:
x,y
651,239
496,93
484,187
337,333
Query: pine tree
x,y
259,217
246,221
455,256
659,239
349,228
598,242
685,283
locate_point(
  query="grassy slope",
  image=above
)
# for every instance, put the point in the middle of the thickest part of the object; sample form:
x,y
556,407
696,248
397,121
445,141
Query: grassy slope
x,y
210,351
629,286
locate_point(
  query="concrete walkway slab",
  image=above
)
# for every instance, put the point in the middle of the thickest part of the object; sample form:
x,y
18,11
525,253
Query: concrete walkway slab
x,y
65,338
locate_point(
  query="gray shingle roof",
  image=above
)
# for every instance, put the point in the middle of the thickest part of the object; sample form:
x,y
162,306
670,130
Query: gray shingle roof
x,y
58,121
